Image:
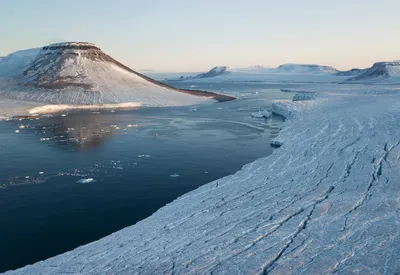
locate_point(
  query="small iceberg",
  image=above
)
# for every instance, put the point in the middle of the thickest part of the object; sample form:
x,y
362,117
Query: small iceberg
x,y
261,114
86,181
174,175
143,156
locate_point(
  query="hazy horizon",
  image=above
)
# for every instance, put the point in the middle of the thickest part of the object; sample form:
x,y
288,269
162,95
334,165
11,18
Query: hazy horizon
x,y
182,36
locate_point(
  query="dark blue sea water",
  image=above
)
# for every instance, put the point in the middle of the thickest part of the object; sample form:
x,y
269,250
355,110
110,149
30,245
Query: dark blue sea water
x,y
139,161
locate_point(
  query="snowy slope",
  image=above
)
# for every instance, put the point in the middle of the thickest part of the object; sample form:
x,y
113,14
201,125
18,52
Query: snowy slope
x,y
15,63
80,73
352,72
380,72
325,202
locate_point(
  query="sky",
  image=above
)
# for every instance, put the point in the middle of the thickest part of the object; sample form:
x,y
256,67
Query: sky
x,y
195,35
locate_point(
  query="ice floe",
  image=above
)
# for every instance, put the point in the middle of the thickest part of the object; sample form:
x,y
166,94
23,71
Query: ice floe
x,y
86,181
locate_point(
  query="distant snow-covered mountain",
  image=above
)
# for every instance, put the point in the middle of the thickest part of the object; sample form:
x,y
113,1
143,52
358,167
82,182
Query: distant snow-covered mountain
x,y
380,71
283,73
216,71
80,73
16,62
305,69
302,73
259,69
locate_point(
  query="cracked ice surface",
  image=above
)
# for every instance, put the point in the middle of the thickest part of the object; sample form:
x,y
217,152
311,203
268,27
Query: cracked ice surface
x,y
327,201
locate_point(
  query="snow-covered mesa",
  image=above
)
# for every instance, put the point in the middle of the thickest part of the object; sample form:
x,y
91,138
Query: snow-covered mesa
x,y
327,201
79,73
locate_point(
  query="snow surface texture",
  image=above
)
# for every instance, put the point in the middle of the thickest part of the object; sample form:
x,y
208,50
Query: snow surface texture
x,y
80,73
327,201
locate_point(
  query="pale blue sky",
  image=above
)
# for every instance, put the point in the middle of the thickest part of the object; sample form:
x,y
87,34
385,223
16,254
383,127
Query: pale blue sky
x,y
194,35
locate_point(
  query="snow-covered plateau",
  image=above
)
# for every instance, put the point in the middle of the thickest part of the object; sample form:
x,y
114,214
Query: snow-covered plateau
x,y
380,72
327,201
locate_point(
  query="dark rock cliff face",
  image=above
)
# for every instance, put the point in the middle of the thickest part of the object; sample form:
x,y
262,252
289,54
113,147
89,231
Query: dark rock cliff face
x,y
74,46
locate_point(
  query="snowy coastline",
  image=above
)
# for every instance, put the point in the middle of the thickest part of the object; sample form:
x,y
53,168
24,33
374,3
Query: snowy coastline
x,y
46,109
326,201
11,108
27,109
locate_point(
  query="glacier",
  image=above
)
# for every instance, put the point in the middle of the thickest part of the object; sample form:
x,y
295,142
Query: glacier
x,y
327,201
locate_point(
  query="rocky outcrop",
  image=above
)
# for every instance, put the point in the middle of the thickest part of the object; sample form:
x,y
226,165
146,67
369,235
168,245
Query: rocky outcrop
x,y
216,71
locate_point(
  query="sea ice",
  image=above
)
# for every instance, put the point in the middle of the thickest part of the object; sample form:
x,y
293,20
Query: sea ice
x,y
143,156
325,202
85,181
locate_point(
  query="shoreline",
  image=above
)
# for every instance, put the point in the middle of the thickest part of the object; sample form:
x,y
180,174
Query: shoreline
x,y
33,109
312,206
